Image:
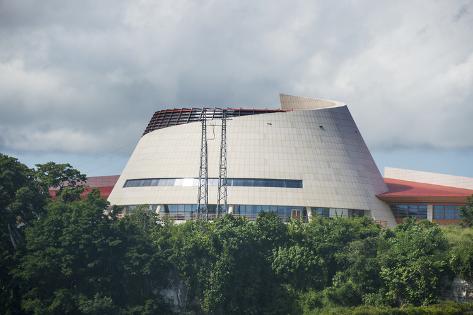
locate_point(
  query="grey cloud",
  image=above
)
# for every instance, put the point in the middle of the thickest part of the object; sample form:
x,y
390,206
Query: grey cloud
x,y
462,11
86,76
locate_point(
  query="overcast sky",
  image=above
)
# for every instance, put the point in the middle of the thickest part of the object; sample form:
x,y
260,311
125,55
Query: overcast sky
x,y
79,80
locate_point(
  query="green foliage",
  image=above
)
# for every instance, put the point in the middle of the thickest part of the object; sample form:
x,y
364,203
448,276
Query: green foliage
x,y
75,256
461,250
318,250
58,175
226,265
360,275
466,212
21,203
80,259
448,308
414,261
242,281
67,180
21,200
309,301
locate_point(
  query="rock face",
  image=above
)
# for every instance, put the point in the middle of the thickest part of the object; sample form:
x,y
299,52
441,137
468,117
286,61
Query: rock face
x,y
461,291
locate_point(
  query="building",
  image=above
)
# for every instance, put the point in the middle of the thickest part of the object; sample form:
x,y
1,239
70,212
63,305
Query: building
x,y
424,195
307,157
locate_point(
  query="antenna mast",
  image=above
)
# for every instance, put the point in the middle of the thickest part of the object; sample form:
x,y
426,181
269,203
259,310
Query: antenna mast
x,y
222,174
203,194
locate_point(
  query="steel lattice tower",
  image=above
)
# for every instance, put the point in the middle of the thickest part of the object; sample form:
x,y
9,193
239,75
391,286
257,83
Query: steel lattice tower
x,y
203,194
222,174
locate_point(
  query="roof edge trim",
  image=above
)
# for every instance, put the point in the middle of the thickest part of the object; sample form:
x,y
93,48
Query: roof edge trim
x,y
291,102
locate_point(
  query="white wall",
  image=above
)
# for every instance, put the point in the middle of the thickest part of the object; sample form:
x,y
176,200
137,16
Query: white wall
x,y
333,161
429,178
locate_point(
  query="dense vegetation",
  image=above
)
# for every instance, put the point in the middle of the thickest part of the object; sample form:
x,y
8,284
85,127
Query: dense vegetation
x,y
75,256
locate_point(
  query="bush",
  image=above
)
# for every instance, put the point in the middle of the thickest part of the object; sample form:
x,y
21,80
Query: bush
x,y
461,251
414,263
448,308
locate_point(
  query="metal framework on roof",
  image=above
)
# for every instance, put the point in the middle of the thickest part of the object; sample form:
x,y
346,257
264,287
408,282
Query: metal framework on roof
x,y
179,116
222,192
203,190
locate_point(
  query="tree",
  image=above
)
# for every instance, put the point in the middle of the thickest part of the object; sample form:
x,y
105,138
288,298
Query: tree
x,y
192,256
461,251
466,212
358,275
224,266
21,203
70,255
414,262
21,200
144,266
241,280
68,181
80,260
312,257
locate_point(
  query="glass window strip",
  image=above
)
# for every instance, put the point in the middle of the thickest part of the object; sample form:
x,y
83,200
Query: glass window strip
x,y
237,182
189,211
446,212
418,211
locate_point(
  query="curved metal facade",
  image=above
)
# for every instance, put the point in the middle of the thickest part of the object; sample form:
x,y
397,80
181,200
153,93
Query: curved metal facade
x,y
322,147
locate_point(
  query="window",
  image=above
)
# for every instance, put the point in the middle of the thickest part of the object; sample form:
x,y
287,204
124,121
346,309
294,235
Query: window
x,y
189,211
418,211
323,212
260,183
295,214
284,212
446,212
179,211
238,182
356,213
293,183
192,182
212,181
276,183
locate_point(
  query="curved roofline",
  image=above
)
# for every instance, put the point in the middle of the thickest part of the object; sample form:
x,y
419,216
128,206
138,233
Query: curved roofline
x,y
178,116
291,102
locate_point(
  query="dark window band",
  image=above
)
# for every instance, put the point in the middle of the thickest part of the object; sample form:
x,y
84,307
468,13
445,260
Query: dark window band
x,y
240,182
446,212
418,211
189,211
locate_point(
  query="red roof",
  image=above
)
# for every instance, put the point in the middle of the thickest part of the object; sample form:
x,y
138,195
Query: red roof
x,y
407,191
398,190
103,183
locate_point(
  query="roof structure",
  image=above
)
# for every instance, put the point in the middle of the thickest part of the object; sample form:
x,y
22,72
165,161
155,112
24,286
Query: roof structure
x,y
104,184
102,181
429,177
409,191
398,190
179,116
291,102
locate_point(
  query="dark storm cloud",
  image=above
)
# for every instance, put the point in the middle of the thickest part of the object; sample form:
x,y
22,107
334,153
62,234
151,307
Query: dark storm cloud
x,y
85,76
